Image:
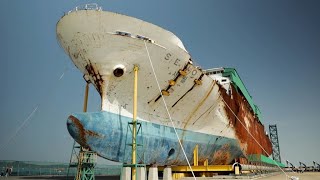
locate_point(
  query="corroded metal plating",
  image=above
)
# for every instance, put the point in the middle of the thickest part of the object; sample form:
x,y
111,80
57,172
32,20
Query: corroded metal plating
x,y
81,131
160,146
96,76
244,113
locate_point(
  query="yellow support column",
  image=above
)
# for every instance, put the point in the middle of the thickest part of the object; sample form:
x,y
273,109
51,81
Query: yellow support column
x,y
85,102
80,158
195,156
206,164
134,122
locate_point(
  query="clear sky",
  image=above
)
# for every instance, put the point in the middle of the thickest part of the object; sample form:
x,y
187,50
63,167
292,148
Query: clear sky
x,y
273,44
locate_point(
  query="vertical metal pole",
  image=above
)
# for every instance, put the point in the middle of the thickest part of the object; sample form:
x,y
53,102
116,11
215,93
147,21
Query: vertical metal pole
x,y
196,156
80,159
134,122
85,103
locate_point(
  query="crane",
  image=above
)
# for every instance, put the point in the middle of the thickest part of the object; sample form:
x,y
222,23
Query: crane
x,y
290,165
302,165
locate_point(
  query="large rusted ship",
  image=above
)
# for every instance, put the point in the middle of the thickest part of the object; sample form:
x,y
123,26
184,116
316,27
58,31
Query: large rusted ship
x,y
209,108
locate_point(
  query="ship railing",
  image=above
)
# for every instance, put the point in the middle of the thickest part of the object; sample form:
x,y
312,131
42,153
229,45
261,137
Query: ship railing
x,y
91,6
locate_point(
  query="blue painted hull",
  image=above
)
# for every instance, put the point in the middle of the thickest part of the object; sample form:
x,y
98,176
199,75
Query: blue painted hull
x,y
107,134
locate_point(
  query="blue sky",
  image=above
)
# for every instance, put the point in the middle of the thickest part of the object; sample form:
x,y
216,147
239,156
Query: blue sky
x,y
274,45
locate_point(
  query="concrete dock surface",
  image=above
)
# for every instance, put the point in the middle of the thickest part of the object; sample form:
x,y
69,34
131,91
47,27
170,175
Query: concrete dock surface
x,y
278,176
301,176
275,176
55,178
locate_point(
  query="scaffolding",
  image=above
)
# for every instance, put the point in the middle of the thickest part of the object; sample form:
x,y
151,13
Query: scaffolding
x,y
275,142
135,129
86,164
138,145
82,158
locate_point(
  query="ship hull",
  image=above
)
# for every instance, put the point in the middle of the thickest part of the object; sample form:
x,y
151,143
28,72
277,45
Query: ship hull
x,y
111,139
197,104
96,51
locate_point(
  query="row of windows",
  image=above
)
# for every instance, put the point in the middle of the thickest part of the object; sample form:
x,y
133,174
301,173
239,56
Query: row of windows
x,y
122,33
214,72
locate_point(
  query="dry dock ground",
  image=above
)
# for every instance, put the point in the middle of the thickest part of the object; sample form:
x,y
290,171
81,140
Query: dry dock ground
x,y
301,176
278,176
55,178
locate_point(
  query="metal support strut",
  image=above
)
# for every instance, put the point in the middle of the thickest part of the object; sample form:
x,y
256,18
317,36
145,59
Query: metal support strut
x,y
275,143
85,101
85,159
86,163
134,122
135,129
200,168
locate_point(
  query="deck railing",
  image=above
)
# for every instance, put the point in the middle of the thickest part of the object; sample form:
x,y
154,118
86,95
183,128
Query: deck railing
x,y
92,6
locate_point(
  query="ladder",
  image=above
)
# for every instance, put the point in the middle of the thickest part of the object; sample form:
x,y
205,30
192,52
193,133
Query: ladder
x,y
138,146
86,164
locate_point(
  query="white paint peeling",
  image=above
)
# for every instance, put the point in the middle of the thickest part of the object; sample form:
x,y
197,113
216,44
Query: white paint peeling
x,y
247,122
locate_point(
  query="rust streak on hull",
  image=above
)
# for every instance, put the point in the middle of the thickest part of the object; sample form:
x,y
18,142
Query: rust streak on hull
x,y
80,128
197,108
83,133
242,109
